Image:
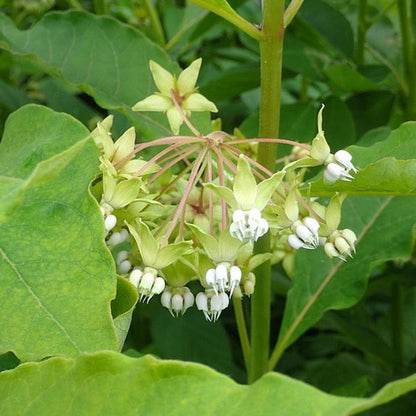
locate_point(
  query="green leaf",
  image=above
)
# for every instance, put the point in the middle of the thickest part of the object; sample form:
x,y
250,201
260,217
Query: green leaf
x,y
383,226
102,57
114,384
122,308
223,9
56,272
330,23
386,168
346,78
192,338
371,109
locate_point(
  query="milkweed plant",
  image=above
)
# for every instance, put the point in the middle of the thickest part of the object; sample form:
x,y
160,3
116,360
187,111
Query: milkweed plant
x,y
194,218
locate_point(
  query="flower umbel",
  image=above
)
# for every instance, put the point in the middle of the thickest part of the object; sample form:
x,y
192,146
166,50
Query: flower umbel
x,y
176,92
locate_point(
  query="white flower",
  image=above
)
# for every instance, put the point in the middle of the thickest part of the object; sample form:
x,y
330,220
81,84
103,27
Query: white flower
x,y
177,300
248,225
110,222
339,170
344,158
224,278
305,234
147,283
211,304
341,244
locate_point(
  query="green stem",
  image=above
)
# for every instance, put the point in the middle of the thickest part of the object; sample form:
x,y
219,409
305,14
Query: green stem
x,y
409,56
157,29
271,47
291,11
100,7
242,330
362,27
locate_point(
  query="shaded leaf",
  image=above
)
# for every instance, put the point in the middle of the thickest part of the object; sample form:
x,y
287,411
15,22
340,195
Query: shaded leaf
x,y
383,226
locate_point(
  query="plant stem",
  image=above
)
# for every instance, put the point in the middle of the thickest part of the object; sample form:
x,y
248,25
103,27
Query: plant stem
x,y
291,11
242,330
158,33
409,56
100,7
362,27
271,48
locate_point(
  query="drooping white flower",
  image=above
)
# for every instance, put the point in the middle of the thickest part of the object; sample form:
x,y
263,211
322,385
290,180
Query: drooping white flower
x,y
248,225
177,300
305,234
340,167
341,244
224,278
211,304
147,282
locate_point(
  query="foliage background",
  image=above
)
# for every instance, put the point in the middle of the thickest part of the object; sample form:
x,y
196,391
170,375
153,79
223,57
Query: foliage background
x,y
93,64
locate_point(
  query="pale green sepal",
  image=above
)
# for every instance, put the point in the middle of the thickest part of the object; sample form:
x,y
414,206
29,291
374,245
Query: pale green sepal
x,y
124,146
306,162
266,188
146,243
291,205
124,193
154,102
333,212
172,252
164,80
175,119
102,137
187,78
228,247
320,149
197,102
208,242
178,273
224,193
133,166
257,260
244,187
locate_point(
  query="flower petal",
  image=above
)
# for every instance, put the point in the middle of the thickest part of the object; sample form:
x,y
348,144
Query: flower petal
x,y
187,78
197,102
175,119
164,80
155,102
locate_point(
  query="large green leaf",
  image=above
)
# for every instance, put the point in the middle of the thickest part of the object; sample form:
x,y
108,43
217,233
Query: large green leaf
x,y
384,229
113,384
56,275
100,56
386,168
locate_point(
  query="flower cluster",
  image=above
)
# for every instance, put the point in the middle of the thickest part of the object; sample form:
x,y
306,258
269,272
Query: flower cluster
x,y
189,215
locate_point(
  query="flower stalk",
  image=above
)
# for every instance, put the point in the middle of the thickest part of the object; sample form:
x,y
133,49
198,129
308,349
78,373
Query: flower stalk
x,y
271,52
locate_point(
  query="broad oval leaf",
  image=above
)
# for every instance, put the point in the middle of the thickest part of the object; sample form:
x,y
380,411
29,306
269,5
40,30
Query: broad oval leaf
x,y
56,275
102,57
113,384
